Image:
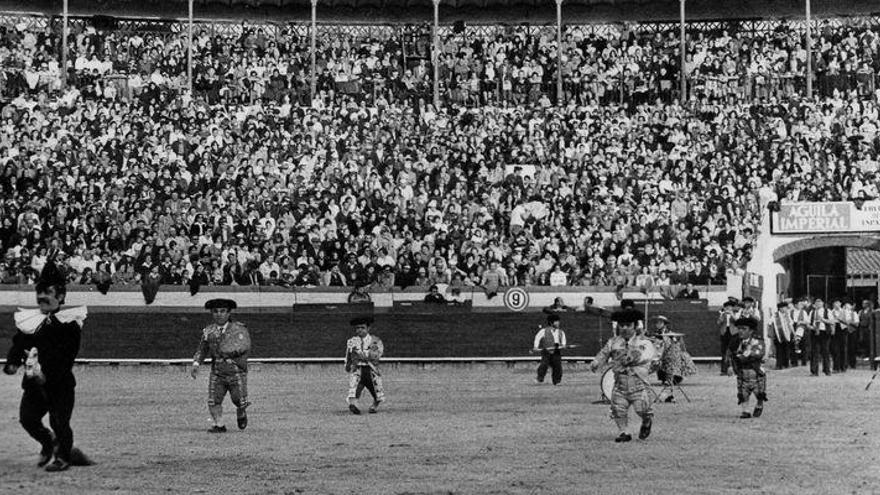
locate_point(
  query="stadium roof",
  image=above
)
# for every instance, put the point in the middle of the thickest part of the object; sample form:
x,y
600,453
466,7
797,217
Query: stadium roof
x,y
475,11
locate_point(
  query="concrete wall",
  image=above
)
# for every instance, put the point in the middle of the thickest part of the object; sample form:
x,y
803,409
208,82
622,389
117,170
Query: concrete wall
x,y
320,331
179,297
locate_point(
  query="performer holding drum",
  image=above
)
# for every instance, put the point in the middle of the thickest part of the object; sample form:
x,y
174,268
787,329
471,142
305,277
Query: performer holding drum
x,y
631,357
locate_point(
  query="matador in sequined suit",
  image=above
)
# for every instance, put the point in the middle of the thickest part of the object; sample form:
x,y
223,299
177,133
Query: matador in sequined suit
x,y
227,343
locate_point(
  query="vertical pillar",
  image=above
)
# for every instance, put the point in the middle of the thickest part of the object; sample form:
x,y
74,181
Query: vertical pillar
x,y
189,49
809,42
312,49
682,76
64,35
559,94
435,54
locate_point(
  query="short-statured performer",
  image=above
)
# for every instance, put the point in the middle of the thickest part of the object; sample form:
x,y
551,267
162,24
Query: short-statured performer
x,y
549,340
631,357
46,344
228,343
750,374
362,355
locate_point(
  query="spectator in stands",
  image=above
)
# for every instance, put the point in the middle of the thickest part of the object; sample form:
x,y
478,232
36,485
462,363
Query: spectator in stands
x,y
688,292
558,306
434,296
359,294
271,175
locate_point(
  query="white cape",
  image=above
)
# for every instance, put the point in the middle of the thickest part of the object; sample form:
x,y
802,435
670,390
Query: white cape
x,y
28,320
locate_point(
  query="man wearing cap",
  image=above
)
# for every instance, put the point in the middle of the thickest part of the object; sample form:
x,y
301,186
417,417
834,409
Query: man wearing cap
x,y
228,344
749,309
750,375
631,357
549,340
362,355
729,338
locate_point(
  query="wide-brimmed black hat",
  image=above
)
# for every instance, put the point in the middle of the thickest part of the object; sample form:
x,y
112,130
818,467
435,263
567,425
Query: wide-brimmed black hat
x,y
361,320
747,322
627,316
51,276
220,303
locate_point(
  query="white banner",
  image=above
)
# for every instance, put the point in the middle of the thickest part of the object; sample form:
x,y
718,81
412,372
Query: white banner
x,y
830,217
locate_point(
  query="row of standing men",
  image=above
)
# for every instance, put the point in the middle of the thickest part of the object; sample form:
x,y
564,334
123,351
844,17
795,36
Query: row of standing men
x,y
811,332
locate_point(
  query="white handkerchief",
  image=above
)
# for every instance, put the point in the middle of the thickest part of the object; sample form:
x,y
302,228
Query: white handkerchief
x,y
28,320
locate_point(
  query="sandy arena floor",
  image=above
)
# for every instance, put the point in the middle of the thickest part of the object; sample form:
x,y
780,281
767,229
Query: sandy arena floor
x,y
463,430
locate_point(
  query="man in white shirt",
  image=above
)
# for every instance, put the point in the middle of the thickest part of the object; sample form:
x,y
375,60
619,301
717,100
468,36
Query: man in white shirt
x,y
820,341
550,340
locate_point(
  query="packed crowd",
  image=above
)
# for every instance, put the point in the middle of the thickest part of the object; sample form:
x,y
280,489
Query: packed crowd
x,y
128,177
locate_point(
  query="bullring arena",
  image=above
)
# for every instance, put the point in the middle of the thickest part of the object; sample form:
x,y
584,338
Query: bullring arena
x,y
450,429
408,197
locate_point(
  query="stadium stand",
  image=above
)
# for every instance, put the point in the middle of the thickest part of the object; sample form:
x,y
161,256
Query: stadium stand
x,y
127,176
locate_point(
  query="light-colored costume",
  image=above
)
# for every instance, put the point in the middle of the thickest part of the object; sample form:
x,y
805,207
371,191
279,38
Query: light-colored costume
x,y
228,347
631,361
364,370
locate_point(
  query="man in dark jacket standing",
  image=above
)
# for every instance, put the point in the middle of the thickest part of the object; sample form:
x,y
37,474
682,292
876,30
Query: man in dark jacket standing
x,y
47,344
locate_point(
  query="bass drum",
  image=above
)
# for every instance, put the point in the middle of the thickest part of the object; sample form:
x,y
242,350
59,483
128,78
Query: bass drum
x,y
607,384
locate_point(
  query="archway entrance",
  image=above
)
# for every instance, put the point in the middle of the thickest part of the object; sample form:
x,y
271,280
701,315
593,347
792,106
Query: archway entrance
x,y
830,267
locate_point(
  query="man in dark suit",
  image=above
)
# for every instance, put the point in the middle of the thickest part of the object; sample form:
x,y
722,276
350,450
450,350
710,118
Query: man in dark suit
x,y
434,296
688,292
46,345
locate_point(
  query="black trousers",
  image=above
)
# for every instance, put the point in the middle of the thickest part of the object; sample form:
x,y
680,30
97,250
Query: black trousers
x,y
366,381
806,348
838,349
820,348
852,349
729,345
58,402
783,354
552,360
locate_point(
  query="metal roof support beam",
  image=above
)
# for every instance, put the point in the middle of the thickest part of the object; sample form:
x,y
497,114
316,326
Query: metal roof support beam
x,y
809,42
189,49
682,74
435,55
559,93
313,33
64,34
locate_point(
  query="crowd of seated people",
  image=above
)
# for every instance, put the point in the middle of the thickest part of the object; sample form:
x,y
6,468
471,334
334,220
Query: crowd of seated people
x,y
127,176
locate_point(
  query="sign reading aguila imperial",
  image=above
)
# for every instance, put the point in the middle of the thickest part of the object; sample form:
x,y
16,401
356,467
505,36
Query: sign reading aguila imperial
x,y
841,216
